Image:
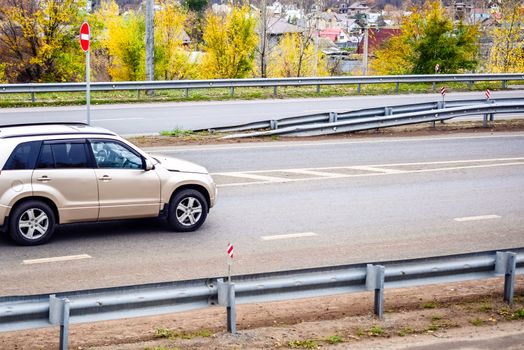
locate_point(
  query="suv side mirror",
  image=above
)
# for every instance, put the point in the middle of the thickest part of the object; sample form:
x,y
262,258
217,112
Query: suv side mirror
x,y
149,165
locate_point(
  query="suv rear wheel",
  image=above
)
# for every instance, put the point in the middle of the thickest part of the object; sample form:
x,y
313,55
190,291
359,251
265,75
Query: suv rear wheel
x,y
32,222
187,210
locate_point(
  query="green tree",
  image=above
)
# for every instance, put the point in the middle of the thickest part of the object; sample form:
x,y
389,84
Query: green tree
x,y
197,6
507,52
39,40
429,37
230,41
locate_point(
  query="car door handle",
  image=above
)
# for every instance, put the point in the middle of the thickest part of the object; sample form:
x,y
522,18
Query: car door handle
x,y
43,179
105,178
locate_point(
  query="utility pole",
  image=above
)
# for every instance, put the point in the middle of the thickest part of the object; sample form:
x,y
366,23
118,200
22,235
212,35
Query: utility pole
x,y
365,58
263,41
150,41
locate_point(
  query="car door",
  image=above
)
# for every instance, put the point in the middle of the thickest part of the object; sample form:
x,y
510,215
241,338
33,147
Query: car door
x,y
64,174
125,188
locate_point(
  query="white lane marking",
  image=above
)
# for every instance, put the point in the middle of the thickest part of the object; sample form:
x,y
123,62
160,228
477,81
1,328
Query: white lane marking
x,y
56,259
375,169
287,236
313,173
254,177
475,218
275,180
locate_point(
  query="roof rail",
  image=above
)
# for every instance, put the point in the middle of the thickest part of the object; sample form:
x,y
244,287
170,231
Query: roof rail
x,y
43,123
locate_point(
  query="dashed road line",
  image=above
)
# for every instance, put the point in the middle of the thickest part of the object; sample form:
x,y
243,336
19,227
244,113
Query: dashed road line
x,y
476,218
288,236
376,169
56,259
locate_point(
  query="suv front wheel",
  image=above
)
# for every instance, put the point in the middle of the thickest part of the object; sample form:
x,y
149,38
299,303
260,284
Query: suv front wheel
x,y
187,210
32,223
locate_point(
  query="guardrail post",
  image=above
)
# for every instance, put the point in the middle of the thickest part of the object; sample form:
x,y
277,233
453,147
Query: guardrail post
x,y
33,97
434,86
232,91
397,88
375,275
318,88
388,111
59,314
273,124
504,84
506,264
333,117
186,93
138,94
226,297
275,89
358,88
470,84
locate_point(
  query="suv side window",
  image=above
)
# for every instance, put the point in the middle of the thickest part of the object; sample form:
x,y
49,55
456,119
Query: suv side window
x,y
23,156
112,154
61,155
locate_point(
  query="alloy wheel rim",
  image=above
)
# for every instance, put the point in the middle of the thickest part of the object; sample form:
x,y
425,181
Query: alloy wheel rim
x,y
189,211
33,223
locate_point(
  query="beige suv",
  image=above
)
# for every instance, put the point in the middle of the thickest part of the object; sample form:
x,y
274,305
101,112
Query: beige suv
x,y
67,173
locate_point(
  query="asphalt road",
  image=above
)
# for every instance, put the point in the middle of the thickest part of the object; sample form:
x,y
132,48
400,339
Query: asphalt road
x,y
288,205
131,119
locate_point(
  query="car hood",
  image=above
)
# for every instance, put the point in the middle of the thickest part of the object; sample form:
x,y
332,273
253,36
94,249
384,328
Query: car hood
x,y
175,164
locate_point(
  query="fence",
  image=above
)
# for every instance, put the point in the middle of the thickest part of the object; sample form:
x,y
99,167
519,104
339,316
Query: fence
x,y
231,84
34,311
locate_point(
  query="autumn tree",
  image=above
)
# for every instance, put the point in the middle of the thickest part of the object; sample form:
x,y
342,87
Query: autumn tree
x,y
38,40
172,61
295,56
507,52
230,41
122,37
428,37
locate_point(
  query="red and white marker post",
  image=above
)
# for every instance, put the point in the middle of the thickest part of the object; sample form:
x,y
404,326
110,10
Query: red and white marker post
x,y
443,92
85,39
229,260
488,95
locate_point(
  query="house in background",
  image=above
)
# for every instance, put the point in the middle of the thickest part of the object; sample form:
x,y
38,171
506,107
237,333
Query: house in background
x,y
376,37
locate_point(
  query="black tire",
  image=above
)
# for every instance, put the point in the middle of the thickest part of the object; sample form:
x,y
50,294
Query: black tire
x,y
187,210
32,223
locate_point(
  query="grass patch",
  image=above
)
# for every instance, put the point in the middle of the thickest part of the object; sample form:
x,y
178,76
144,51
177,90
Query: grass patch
x,y
304,344
361,332
433,327
476,322
437,318
429,305
376,331
165,333
518,314
334,339
406,331
176,132
487,308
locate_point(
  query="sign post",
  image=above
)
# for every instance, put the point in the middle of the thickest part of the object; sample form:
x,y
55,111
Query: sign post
x,y
229,261
85,37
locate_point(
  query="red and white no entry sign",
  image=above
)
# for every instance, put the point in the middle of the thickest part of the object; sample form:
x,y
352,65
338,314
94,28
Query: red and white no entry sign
x,y
85,36
230,250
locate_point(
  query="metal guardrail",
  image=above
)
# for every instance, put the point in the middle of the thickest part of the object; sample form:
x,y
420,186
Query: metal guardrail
x,y
376,118
327,117
260,82
34,311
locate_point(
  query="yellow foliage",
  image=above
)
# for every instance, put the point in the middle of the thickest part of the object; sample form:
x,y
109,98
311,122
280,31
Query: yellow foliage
x,y
507,52
294,56
123,39
171,59
230,41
